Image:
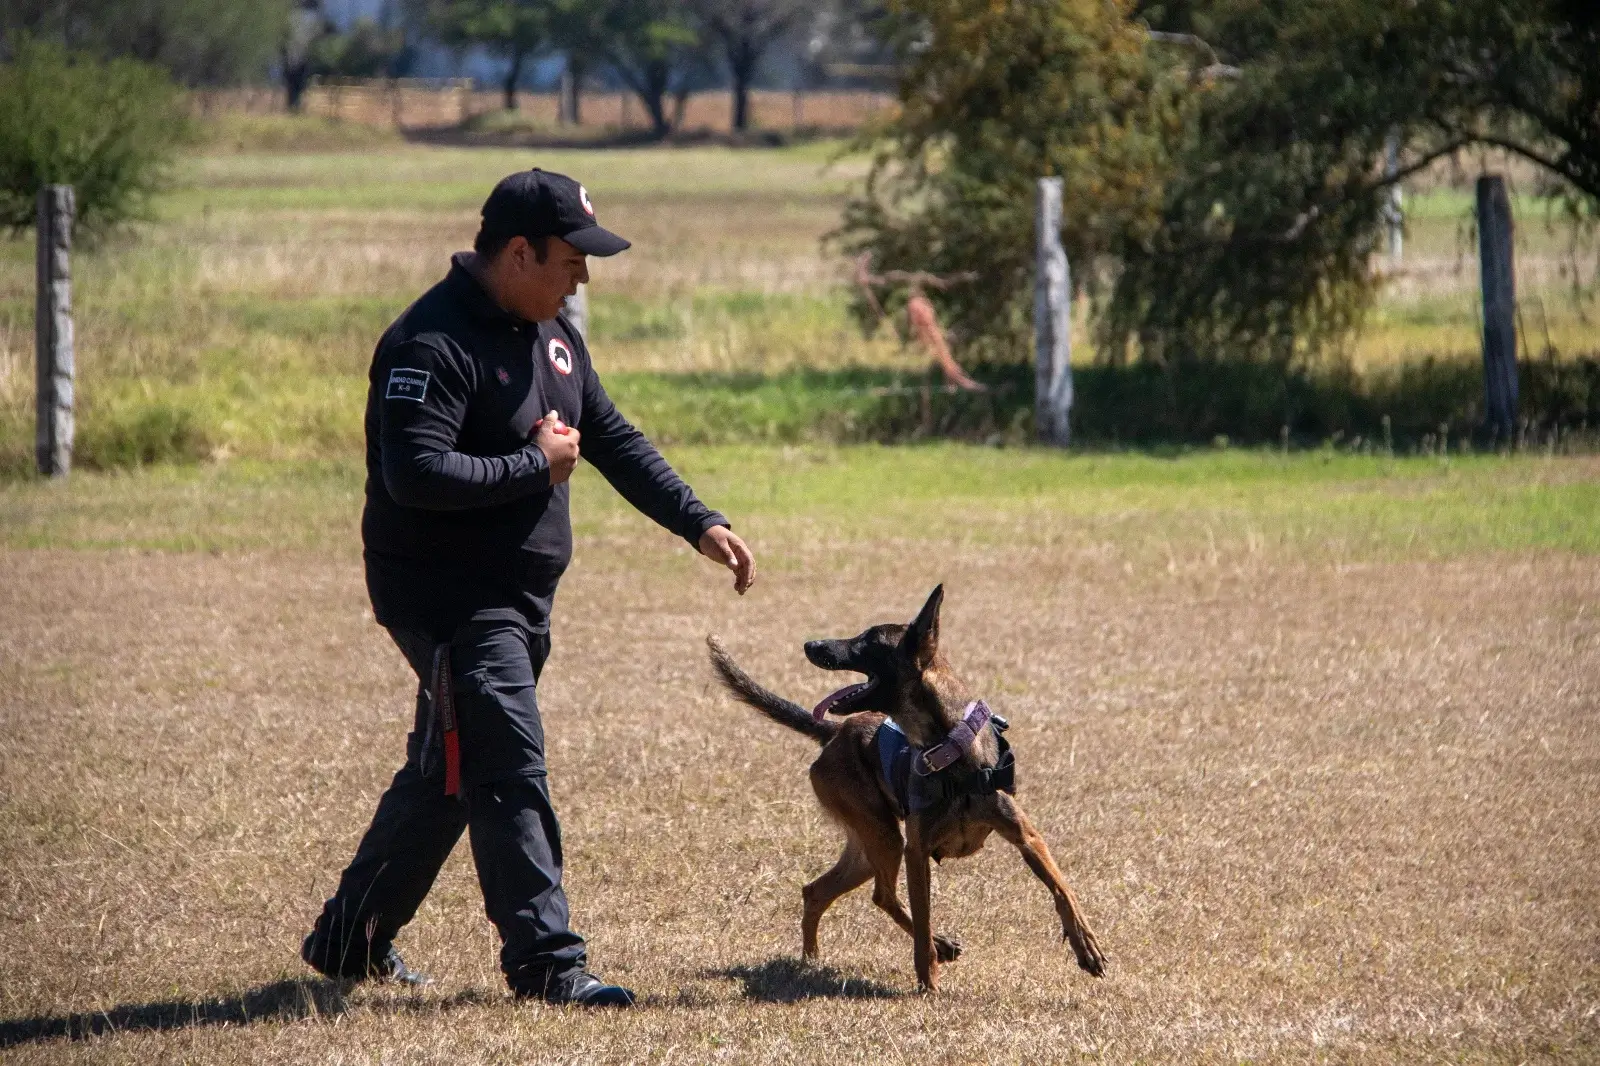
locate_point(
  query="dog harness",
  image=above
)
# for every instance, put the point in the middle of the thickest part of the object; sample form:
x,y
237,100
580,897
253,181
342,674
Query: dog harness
x,y
921,778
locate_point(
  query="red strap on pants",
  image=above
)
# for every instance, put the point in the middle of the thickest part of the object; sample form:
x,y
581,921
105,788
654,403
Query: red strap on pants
x,y
444,706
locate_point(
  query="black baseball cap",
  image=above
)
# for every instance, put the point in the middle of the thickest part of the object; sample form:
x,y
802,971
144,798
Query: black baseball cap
x,y
541,203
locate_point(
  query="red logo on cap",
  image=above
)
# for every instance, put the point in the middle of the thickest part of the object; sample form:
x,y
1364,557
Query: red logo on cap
x,y
560,356
583,198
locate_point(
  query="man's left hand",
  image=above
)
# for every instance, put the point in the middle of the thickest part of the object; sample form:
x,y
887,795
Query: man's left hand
x,y
722,545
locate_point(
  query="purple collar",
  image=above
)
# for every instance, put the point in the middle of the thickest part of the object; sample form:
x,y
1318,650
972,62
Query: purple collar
x,y
957,742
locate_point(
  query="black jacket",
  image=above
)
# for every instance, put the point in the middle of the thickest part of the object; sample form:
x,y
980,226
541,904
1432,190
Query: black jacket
x,y
461,521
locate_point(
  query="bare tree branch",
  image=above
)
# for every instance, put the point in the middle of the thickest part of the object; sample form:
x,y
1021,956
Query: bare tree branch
x,y
1216,69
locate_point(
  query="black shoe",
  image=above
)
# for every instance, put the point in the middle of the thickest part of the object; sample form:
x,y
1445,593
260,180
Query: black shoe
x,y
392,969
581,989
386,969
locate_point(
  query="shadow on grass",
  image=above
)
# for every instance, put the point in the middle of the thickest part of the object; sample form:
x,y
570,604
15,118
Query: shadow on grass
x,y
1420,405
289,1000
785,980
279,1001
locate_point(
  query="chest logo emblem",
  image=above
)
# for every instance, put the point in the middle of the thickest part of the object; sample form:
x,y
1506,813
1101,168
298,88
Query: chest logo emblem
x,y
560,356
504,376
583,198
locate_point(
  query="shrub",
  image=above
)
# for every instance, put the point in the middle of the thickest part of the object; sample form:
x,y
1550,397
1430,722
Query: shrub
x,y
139,434
107,129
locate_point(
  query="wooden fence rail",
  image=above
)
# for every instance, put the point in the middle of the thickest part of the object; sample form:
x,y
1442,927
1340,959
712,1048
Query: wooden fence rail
x,y
1497,278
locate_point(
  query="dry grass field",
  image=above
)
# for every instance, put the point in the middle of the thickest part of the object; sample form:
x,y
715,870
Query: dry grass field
x,y
1315,735
1315,740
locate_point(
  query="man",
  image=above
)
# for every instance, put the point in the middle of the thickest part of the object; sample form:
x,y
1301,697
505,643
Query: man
x,y
481,399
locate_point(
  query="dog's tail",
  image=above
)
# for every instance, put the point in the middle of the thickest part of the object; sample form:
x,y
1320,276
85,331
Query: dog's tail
x,y
774,706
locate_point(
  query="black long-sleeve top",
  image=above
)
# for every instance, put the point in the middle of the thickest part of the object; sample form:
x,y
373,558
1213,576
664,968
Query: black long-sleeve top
x,y
461,521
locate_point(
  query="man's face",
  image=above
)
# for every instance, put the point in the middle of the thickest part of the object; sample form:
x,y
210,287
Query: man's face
x,y
534,290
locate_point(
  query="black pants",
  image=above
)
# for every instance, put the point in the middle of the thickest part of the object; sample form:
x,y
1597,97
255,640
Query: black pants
x,y
505,806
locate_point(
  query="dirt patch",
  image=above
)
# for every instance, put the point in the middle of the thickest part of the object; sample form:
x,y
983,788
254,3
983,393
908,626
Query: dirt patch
x,y
1329,813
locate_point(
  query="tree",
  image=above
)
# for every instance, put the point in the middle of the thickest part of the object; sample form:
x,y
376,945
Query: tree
x,y
1275,202
576,29
306,26
514,29
1223,158
201,42
107,128
649,43
746,29
1521,76
994,96
365,50
1269,211
1524,77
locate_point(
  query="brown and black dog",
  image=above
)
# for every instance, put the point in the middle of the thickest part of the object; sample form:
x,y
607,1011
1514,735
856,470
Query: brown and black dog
x,y
910,682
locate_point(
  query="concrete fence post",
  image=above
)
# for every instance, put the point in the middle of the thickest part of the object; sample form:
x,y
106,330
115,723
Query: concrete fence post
x,y
1498,281
1394,215
1052,320
53,330
577,311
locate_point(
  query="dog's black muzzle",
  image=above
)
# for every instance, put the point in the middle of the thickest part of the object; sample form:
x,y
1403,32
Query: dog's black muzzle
x,y
831,655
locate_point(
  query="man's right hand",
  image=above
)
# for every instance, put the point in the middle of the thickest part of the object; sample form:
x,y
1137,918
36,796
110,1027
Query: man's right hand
x,y
559,442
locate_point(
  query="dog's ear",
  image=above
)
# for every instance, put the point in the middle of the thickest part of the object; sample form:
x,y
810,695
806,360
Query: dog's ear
x,y
921,641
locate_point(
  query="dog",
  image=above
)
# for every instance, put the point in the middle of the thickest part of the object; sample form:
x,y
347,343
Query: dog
x,y
914,720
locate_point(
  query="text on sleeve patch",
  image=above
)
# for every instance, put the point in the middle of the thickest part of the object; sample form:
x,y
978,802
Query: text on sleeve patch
x,y
407,384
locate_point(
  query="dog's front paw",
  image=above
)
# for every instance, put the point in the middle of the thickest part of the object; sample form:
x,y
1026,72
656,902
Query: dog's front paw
x,y
946,948
1087,949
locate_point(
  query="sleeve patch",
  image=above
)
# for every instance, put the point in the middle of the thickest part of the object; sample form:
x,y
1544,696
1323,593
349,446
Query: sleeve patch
x,y
407,385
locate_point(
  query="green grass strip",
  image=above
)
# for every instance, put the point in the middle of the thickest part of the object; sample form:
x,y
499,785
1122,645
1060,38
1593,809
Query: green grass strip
x,y
1317,504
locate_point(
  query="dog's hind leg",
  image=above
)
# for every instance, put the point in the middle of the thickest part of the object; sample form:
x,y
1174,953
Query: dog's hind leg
x,y
851,871
1010,822
885,847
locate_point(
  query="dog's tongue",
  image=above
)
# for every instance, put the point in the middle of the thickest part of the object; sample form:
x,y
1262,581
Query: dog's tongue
x,y
832,699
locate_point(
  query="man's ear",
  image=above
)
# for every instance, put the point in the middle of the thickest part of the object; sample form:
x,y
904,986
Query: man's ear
x,y
519,252
922,639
